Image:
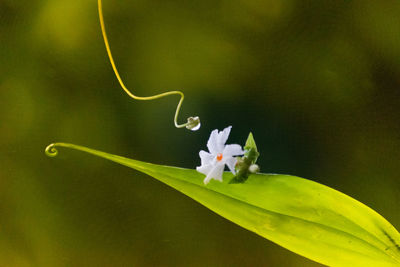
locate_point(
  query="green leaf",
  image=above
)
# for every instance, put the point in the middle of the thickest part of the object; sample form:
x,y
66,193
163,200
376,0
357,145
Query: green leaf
x,y
303,216
250,143
251,151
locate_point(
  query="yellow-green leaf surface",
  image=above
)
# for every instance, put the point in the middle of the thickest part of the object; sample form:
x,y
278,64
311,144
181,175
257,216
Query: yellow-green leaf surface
x,y
303,216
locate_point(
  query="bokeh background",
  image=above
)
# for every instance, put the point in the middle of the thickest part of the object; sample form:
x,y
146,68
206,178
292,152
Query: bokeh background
x,y
317,82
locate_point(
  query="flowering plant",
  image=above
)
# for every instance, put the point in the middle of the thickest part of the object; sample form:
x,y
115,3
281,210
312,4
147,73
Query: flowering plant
x,y
213,162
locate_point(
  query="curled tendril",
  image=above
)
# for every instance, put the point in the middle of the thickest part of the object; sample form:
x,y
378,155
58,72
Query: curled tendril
x,y
193,123
51,150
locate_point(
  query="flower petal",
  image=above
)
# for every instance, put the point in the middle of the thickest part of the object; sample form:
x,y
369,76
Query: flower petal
x,y
232,150
205,169
206,158
212,143
223,135
231,162
215,173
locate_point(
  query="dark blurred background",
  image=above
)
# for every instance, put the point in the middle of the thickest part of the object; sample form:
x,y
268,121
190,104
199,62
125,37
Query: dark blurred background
x,y
317,82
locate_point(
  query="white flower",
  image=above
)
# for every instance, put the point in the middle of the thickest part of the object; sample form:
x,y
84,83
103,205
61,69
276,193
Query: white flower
x,y
213,163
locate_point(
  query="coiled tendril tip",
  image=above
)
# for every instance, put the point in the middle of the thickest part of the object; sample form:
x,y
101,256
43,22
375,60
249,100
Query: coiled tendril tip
x,y
51,150
193,123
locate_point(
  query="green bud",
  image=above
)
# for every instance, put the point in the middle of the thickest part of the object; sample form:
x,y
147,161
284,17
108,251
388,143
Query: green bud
x,y
246,165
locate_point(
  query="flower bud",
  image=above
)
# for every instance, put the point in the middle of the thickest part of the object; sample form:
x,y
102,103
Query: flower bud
x,y
254,168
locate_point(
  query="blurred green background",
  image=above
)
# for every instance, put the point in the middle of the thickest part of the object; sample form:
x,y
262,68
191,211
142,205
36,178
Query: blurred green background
x,y
317,82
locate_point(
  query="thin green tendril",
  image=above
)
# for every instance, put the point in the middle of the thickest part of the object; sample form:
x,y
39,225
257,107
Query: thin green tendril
x,y
193,123
51,150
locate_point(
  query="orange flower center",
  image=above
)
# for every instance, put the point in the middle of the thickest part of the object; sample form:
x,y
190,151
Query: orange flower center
x,y
219,156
